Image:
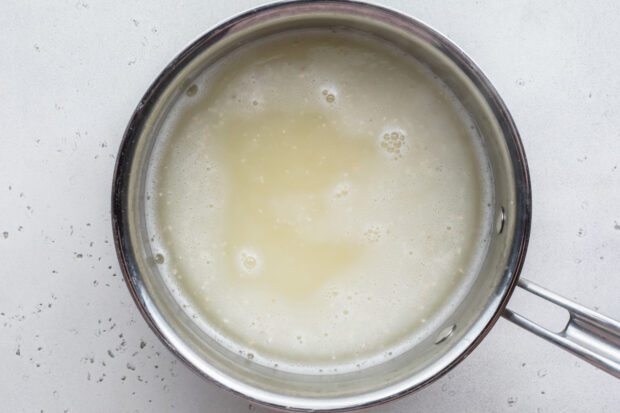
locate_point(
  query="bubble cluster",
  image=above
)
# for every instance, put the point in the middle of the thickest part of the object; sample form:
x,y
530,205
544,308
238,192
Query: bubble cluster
x,y
342,192
329,97
394,144
373,234
248,262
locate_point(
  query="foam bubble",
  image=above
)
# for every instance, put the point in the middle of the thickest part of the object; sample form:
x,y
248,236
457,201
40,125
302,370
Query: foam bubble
x,y
249,262
159,259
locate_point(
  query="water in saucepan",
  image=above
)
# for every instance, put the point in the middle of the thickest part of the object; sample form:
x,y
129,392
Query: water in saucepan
x,y
318,201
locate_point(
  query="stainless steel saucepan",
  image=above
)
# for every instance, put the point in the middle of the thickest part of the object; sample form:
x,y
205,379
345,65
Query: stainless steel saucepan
x,y
591,336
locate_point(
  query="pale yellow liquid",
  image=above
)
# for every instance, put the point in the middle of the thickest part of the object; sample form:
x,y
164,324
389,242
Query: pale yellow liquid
x,y
317,201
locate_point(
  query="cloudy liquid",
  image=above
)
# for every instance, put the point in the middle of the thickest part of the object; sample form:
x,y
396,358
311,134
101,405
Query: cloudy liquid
x,y
317,201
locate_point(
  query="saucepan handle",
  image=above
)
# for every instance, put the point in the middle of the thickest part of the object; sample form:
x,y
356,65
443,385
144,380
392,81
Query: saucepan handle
x,y
589,335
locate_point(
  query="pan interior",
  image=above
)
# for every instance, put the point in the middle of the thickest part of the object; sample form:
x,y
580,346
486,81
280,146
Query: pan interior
x,y
318,201
438,335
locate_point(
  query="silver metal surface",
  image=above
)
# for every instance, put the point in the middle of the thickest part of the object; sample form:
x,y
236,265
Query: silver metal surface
x,y
470,320
589,335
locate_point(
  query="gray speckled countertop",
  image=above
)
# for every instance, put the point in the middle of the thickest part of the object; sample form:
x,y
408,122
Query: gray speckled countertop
x,y
72,72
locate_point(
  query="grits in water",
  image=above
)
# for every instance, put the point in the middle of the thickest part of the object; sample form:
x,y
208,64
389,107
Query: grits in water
x,y
318,200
